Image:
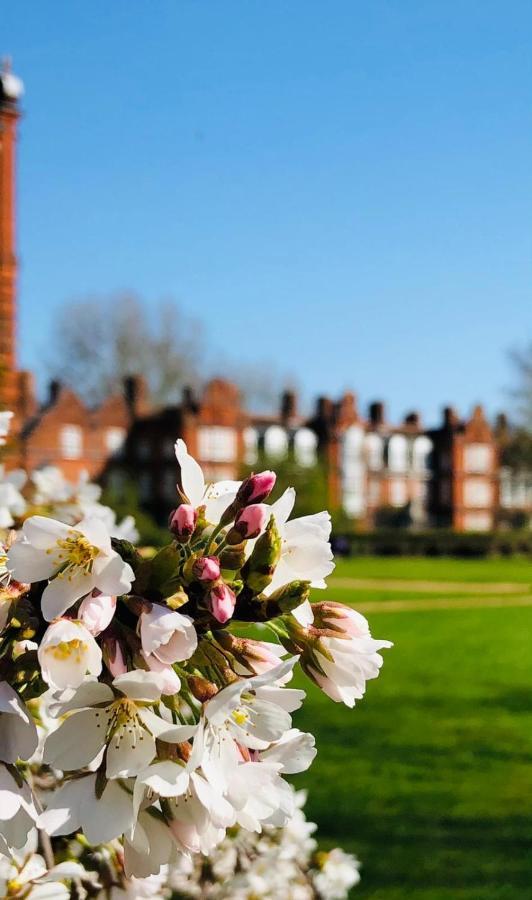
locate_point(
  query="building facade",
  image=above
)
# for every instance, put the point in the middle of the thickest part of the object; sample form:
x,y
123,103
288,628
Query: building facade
x,y
377,472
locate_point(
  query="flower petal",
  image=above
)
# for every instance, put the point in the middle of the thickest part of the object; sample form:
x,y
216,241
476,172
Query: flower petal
x,y
77,741
192,480
61,593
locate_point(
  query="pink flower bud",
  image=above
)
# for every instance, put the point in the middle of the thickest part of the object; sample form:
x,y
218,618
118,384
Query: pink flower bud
x,y
256,488
182,522
171,681
206,568
250,521
97,611
113,656
222,602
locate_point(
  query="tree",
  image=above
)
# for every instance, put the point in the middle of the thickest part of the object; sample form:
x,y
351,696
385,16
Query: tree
x,y
521,359
97,341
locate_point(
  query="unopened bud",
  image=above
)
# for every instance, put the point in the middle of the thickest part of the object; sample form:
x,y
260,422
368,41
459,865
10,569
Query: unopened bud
x,y
182,522
258,571
291,595
200,688
113,655
256,488
232,558
206,568
222,602
249,523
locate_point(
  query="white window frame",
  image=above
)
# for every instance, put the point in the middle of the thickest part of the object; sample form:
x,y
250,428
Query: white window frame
x,y
71,441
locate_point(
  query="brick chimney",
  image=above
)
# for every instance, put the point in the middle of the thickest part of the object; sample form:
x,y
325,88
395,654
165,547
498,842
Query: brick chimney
x,y
11,90
288,405
450,418
412,420
136,395
376,413
325,409
54,389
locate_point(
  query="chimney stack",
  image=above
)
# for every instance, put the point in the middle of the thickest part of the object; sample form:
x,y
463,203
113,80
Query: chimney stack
x,y
288,405
450,418
376,413
135,392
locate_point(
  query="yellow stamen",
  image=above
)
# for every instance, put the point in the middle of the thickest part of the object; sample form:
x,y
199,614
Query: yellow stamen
x,y
65,649
77,553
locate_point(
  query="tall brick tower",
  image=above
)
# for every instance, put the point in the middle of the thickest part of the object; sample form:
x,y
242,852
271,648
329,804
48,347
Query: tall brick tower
x,y
11,90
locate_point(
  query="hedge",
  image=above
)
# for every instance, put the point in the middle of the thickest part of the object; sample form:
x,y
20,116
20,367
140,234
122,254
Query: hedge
x,y
437,542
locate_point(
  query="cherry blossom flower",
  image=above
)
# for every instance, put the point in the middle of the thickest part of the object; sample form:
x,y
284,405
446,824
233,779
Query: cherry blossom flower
x,y
119,718
96,611
67,653
76,804
340,665
33,881
12,503
167,635
305,550
75,560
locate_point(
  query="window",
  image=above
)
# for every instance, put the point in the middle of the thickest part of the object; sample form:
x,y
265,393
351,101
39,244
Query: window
x,y
114,440
71,440
217,444
353,471
143,448
251,440
445,491
478,521
275,441
144,483
168,448
213,473
305,446
477,458
169,485
374,492
398,492
477,492
398,453
421,453
374,451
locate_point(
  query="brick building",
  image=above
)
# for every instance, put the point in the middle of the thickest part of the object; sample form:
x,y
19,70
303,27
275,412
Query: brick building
x,y
448,476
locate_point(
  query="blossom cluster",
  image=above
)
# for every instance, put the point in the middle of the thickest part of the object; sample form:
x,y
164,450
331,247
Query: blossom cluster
x,y
135,707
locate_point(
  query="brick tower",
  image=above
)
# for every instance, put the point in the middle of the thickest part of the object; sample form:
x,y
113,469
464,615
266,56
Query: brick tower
x,y
10,92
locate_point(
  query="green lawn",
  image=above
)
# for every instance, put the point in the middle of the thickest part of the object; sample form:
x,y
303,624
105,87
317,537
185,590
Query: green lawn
x,y
436,568
429,779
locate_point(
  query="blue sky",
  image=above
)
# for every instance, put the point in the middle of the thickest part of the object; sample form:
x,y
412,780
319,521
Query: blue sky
x,y
342,188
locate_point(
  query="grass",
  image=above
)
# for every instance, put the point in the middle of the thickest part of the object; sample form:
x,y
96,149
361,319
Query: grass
x,y
429,779
495,570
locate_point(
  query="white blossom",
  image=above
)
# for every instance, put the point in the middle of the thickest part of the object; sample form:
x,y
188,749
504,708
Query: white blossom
x,y
167,635
12,503
119,718
305,550
75,560
76,804
67,653
338,874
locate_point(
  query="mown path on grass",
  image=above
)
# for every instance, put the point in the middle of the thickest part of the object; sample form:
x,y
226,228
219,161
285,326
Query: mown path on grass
x,y
372,606
436,587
